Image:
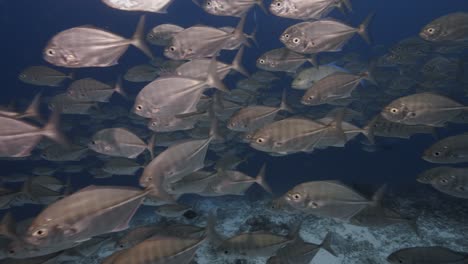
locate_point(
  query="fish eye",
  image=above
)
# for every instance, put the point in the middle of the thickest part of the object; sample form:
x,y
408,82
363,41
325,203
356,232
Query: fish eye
x,y
121,246
436,154
154,123
261,61
172,48
444,181
297,40
11,251
40,233
22,76
394,110
208,3
226,252
93,142
50,52
278,4
296,196
461,188
139,107
430,30
260,140
311,97
286,35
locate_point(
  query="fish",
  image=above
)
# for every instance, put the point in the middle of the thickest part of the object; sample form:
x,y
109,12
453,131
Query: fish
x,y
379,126
307,77
175,94
172,210
306,9
234,8
187,45
254,117
196,182
427,255
448,180
448,28
327,199
336,86
322,35
450,150
87,46
177,122
428,109
137,235
91,90
58,152
121,166
32,111
283,59
119,142
175,162
68,105
18,138
44,76
161,35
141,73
154,6
300,252
92,211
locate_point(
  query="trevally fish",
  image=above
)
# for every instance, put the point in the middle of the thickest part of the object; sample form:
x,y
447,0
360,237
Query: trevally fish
x,y
119,142
155,6
427,255
306,9
283,59
453,149
91,90
43,76
322,35
449,28
423,109
307,77
88,46
161,35
235,8
448,180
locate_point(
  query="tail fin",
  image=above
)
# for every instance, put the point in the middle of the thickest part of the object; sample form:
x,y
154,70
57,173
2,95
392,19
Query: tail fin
x,y
238,33
362,29
260,179
72,75
294,233
51,129
237,63
214,132
197,3
212,78
33,108
8,226
151,144
119,89
138,39
253,36
313,60
260,4
284,105
326,244
348,5
378,195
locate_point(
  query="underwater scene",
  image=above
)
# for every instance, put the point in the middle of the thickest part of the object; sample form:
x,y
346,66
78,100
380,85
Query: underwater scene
x,y
234,132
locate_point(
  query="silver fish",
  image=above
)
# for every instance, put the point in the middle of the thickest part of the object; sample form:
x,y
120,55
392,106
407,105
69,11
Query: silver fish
x,y
452,149
155,6
449,28
162,35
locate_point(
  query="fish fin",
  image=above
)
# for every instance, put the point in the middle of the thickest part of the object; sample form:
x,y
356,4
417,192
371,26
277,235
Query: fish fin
x,y
326,244
337,123
213,79
213,236
197,3
138,39
119,89
312,59
238,33
348,5
151,144
362,29
191,114
284,105
8,226
237,63
33,109
214,131
253,36
378,196
51,129
72,75
261,5
260,179
161,194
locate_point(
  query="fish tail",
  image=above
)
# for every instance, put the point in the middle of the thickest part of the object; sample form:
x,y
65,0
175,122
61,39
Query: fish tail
x,y
260,179
312,59
197,3
337,123
8,226
119,89
294,233
378,195
253,36
138,38
261,5
239,31
326,244
151,144
368,131
237,63
348,5
284,104
214,128
362,30
72,75
213,79
33,108
51,129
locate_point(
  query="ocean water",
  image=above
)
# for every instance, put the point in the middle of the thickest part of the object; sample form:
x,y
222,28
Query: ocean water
x,y
27,26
